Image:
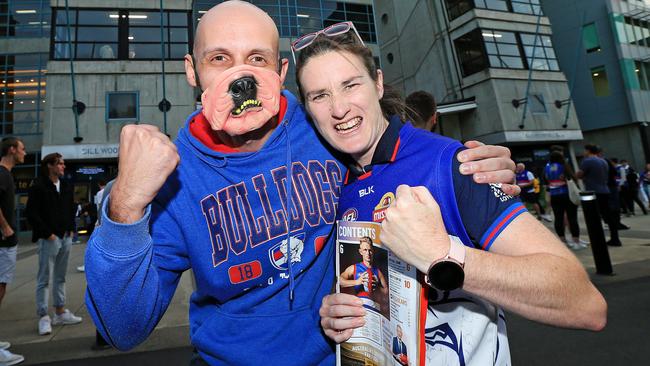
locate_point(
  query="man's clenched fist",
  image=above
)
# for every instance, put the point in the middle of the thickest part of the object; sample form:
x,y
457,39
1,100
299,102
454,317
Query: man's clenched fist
x,y
146,158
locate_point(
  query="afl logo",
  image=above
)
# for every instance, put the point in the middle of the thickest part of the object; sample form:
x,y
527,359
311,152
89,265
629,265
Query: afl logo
x,y
350,215
379,213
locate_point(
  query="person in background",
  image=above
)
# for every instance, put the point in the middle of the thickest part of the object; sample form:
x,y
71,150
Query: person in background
x,y
556,174
77,222
13,153
645,183
422,109
621,186
594,172
526,181
100,194
613,183
630,189
50,212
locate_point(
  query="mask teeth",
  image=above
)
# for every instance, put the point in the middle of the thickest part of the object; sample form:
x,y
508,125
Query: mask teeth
x,y
248,103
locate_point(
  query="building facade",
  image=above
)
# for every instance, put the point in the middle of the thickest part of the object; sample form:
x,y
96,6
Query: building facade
x,y
24,32
115,62
490,65
604,48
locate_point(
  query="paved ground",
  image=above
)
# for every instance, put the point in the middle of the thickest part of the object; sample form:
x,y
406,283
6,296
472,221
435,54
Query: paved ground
x,y
624,341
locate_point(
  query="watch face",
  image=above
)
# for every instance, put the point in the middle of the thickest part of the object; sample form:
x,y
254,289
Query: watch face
x,y
446,275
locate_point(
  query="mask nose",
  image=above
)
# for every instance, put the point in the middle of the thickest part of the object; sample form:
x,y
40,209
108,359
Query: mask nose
x,y
243,88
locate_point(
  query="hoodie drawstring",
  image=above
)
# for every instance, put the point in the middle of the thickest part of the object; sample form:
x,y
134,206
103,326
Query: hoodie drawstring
x,y
289,201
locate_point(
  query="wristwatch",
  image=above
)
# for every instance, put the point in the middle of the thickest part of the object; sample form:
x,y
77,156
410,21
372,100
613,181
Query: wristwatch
x,y
447,273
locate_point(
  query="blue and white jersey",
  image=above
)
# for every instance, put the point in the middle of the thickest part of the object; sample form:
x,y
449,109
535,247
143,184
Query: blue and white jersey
x,y
461,329
526,177
366,290
554,173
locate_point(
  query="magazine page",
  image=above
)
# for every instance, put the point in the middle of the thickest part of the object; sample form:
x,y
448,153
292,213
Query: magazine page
x,y
391,295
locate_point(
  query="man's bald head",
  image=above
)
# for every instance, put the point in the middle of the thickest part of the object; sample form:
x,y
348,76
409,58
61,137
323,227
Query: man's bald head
x,y
231,34
235,13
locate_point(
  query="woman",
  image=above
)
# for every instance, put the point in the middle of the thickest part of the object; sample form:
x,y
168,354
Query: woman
x,y
556,172
535,277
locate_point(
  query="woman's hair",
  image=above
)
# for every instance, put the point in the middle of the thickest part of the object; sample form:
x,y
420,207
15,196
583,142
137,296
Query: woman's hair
x,y
391,103
558,157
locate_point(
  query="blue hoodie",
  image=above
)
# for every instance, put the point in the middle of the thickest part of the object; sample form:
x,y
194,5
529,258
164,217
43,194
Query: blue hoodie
x,y
223,216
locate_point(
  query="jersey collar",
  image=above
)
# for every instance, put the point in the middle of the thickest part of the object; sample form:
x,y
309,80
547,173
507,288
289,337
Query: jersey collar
x,y
384,153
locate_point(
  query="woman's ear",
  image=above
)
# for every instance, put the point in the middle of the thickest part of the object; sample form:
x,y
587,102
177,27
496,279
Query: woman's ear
x,y
379,84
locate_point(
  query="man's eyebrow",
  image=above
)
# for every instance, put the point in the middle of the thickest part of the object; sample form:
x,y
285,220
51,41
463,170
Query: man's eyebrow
x,y
266,51
213,50
263,51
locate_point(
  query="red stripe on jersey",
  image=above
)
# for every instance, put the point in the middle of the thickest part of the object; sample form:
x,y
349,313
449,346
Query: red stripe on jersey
x,y
392,158
498,227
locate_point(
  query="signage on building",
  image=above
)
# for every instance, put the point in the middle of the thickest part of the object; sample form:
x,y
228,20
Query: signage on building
x,y
550,135
90,170
83,151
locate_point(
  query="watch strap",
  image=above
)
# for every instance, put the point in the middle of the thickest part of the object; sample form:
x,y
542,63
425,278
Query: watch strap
x,y
456,250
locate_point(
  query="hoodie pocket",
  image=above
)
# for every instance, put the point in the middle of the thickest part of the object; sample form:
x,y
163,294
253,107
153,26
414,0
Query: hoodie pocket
x,y
289,338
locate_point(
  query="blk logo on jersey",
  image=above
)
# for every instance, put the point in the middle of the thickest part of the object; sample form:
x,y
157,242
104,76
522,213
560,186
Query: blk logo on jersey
x,y
379,212
278,254
366,191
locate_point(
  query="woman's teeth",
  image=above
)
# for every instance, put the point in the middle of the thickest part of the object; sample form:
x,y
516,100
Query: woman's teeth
x,y
349,124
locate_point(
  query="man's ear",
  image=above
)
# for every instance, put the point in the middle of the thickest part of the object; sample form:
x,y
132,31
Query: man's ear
x,y
284,68
433,121
190,72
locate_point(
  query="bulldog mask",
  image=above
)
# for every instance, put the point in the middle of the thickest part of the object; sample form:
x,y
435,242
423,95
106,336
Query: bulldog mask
x,y
242,99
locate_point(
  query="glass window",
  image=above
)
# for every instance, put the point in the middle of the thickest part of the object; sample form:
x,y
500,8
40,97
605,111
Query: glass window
x,y
120,34
96,34
543,57
122,106
599,80
503,49
636,32
90,17
22,93
492,4
526,6
471,53
24,18
645,74
456,8
640,70
294,18
590,38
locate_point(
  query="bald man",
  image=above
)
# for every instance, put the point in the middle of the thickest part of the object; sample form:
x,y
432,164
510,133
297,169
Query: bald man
x,y
249,210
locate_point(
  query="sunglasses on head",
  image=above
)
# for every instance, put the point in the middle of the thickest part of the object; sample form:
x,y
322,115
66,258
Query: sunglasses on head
x,y
331,31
